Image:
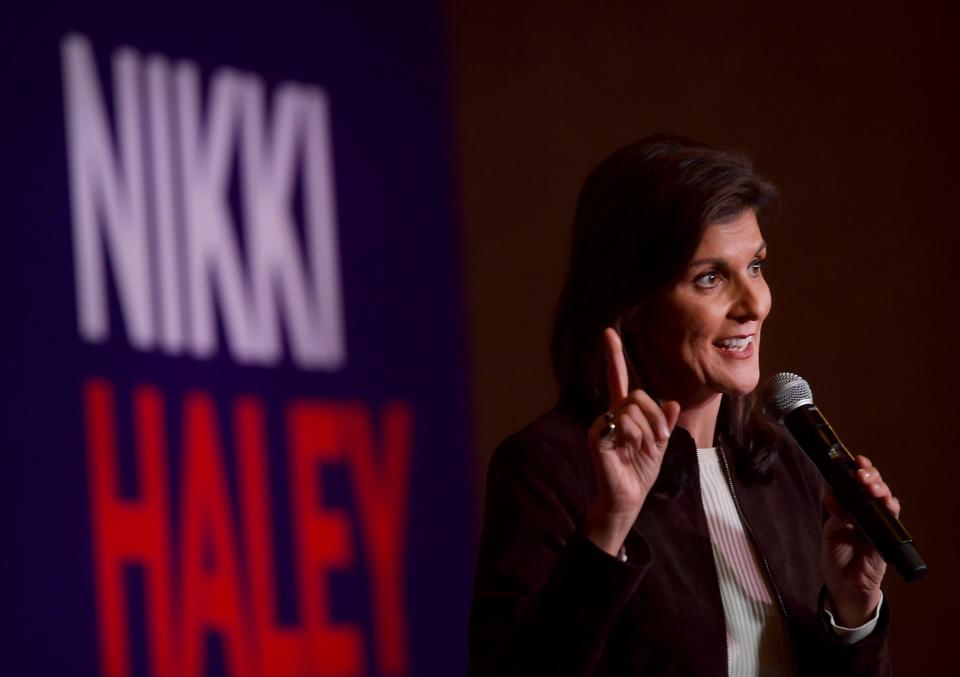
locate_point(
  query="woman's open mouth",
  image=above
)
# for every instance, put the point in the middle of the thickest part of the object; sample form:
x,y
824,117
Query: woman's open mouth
x,y
736,346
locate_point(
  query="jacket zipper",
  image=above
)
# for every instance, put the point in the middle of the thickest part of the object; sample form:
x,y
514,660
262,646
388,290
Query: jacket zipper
x,y
753,536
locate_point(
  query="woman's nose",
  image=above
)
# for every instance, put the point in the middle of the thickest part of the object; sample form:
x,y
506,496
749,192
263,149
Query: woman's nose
x,y
752,301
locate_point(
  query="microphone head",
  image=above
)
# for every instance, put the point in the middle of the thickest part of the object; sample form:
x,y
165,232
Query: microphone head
x,y
782,393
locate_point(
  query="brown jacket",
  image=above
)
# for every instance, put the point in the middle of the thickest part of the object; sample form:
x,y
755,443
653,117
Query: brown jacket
x,y
548,602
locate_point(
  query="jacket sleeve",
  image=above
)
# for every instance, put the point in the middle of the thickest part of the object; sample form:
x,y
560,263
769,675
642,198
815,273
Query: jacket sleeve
x,y
870,657
545,597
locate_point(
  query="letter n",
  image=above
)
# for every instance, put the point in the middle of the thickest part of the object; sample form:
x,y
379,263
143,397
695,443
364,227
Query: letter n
x,y
107,194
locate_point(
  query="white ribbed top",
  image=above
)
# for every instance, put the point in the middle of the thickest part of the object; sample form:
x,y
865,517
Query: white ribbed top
x,y
758,643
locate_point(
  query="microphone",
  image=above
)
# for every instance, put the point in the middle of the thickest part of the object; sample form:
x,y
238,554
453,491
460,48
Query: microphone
x,y
788,400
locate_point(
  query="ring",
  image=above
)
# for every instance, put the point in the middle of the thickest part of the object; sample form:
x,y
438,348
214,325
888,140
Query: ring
x,y
609,429
608,417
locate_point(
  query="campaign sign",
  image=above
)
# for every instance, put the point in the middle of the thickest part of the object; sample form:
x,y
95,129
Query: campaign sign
x,y
233,388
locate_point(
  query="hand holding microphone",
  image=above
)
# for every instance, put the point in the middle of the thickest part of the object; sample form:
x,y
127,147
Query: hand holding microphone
x,y
788,400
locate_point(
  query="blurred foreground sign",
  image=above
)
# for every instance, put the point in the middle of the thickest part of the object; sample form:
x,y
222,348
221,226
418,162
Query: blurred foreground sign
x,y
233,389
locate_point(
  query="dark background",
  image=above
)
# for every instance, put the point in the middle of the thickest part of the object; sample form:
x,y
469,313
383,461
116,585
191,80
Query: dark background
x,y
851,109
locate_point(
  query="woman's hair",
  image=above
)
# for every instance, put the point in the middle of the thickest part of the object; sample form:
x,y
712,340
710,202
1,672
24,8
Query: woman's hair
x,y
639,218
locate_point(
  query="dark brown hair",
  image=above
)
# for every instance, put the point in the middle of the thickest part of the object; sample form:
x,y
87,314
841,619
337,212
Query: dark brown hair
x,y
639,218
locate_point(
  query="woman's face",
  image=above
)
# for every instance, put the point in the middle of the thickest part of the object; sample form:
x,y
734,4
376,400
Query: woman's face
x,y
702,336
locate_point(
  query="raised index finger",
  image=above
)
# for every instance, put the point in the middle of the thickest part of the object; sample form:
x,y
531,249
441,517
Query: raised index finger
x,y
617,381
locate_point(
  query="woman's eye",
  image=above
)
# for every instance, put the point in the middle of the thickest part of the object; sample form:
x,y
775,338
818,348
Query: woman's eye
x,y
708,280
757,266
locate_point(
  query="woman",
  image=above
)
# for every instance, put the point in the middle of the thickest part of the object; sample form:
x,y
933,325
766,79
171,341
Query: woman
x,y
653,523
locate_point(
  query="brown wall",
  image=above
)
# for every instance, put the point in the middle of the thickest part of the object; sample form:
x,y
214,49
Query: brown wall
x,y
851,111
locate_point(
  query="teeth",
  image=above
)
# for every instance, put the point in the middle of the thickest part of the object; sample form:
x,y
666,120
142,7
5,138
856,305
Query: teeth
x,y
738,344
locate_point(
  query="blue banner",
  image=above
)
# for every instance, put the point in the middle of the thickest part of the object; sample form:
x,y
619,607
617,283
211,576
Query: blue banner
x,y
233,369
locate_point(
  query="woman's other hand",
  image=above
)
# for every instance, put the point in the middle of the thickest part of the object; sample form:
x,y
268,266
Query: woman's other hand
x,y
852,567
628,458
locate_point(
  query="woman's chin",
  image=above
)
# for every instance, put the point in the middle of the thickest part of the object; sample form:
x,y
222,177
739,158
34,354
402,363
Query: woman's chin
x,y
738,387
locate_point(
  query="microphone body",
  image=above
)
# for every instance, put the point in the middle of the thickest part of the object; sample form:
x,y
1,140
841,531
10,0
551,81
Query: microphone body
x,y
817,439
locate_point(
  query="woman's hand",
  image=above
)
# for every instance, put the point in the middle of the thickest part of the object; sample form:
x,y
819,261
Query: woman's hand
x,y
852,567
628,459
